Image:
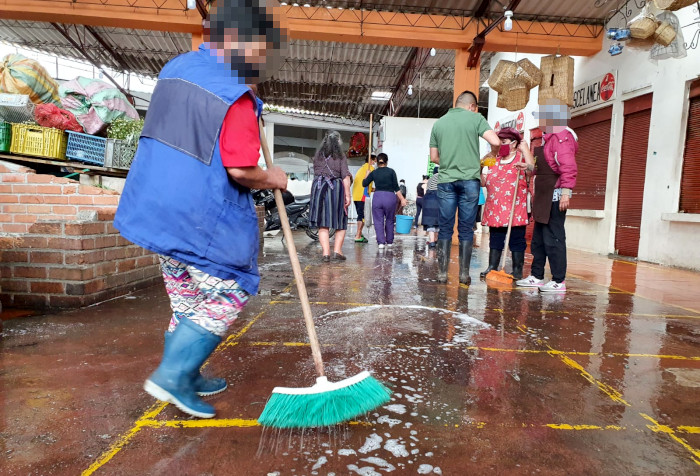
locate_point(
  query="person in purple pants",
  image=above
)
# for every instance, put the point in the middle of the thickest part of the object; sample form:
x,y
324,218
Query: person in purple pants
x,y
387,191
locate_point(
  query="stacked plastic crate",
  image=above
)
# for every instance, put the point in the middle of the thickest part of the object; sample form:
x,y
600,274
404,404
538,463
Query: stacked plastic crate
x,y
19,135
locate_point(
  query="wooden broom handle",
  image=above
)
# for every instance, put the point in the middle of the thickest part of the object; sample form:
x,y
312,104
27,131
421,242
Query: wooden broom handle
x,y
296,267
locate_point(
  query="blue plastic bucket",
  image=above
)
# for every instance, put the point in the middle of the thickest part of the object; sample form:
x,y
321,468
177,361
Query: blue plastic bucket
x,y
403,224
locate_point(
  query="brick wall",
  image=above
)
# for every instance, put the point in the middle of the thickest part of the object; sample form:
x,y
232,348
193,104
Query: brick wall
x,y
27,197
58,245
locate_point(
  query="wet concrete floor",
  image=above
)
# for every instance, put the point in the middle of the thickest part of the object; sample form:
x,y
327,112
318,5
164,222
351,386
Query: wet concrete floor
x,y
604,379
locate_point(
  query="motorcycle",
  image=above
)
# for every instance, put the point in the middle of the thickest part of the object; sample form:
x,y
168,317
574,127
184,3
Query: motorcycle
x,y
297,212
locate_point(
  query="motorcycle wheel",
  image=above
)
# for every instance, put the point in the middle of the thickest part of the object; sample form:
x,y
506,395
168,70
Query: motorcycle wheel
x,y
313,233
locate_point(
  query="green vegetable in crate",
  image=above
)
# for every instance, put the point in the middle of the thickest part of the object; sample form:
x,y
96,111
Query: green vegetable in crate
x,y
126,129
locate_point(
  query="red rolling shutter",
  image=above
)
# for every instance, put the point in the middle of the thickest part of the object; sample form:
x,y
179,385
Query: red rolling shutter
x,y
593,131
635,140
690,180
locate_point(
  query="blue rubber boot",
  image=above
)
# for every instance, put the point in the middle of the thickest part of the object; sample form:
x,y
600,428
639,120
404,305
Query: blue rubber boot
x,y
184,353
204,387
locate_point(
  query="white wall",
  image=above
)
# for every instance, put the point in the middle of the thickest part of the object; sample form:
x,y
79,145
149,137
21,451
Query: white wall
x,y
407,143
666,237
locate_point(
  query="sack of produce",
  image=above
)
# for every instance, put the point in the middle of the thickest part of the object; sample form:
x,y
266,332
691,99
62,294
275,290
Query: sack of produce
x,y
21,75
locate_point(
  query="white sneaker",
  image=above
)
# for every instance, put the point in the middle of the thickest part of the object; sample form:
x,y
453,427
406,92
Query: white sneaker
x,y
381,246
553,287
530,282
390,246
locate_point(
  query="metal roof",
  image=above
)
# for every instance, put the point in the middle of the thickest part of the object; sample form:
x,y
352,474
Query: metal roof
x,y
590,11
328,77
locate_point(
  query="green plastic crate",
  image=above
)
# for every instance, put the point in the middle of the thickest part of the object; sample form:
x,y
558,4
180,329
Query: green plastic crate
x,y
5,136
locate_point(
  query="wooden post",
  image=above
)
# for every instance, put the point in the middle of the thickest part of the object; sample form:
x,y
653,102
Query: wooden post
x,y
369,146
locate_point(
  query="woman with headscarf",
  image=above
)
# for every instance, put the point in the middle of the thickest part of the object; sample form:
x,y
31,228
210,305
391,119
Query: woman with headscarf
x,y
512,164
386,194
330,195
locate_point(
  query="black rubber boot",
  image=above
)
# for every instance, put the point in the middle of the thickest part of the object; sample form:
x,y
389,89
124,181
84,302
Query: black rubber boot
x,y
494,259
443,257
465,259
518,261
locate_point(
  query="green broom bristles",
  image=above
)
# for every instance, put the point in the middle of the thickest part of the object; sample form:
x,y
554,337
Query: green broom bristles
x,y
324,404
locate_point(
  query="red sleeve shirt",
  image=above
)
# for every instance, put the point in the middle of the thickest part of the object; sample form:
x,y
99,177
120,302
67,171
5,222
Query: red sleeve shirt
x,y
239,141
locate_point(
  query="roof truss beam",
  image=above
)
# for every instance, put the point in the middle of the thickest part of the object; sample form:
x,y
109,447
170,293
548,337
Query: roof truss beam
x,y
414,63
318,23
64,31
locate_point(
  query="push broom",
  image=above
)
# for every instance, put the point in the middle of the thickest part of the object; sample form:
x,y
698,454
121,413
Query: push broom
x,y
325,403
501,276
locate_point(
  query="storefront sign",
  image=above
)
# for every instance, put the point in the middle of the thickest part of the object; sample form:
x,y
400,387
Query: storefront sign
x,y
514,122
593,93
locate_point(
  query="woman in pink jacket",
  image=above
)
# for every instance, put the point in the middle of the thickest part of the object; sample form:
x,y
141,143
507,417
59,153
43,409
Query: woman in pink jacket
x,y
555,178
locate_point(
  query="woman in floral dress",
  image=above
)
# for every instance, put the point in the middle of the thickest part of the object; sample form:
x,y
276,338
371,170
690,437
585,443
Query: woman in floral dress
x,y
514,161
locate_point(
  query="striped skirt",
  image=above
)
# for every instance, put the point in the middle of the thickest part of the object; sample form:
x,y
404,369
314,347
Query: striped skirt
x,y
327,208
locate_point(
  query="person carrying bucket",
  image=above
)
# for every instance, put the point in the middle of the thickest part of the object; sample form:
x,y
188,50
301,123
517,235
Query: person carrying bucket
x,y
384,201
514,161
187,197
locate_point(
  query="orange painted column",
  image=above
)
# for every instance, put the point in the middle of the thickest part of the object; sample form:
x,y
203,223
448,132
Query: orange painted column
x,y
197,39
465,80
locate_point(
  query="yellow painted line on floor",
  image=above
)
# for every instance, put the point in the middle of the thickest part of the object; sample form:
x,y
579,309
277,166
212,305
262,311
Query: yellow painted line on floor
x,y
124,439
250,423
563,426
233,338
689,429
695,311
488,349
294,281
216,423
605,388
617,396
656,427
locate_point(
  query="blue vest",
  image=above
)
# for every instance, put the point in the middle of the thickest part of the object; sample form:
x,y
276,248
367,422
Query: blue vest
x,y
178,200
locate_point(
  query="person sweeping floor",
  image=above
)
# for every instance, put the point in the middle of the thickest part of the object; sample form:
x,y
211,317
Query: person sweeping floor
x,y
187,197
515,163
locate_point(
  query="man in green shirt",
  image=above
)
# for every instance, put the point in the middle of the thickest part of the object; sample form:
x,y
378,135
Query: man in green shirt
x,y
454,145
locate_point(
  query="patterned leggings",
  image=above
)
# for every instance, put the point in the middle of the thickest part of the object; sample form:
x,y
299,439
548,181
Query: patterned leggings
x,y
210,302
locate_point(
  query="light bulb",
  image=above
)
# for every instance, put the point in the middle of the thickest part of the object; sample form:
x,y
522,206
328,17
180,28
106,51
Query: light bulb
x,y
508,24
433,52
191,4
410,90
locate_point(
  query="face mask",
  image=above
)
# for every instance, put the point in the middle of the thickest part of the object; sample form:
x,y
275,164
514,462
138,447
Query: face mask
x,y
504,151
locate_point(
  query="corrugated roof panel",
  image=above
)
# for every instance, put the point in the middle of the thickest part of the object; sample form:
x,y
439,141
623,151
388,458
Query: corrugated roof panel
x,y
562,9
142,52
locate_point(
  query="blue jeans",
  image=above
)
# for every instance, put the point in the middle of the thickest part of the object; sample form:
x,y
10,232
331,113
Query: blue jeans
x,y
462,195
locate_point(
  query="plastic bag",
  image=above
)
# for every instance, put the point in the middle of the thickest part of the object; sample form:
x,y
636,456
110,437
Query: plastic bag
x,y
677,47
95,103
21,75
50,115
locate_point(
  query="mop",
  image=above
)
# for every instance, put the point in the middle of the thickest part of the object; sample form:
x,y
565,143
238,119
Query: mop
x,y
501,276
325,403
